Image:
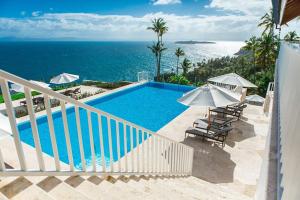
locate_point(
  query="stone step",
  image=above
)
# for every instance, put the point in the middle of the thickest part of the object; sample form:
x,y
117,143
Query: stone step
x,y
33,193
66,192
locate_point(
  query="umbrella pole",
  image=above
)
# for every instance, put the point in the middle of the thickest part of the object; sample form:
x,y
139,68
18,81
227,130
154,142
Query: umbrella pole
x,y
208,117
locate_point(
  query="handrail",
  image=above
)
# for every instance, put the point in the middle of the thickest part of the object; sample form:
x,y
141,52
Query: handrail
x,y
21,81
178,156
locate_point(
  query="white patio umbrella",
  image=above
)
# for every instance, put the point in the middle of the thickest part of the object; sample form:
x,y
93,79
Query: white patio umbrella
x,y
232,79
19,88
64,78
255,98
210,96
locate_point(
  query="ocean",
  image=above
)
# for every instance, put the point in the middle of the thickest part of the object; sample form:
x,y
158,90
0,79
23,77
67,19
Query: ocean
x,y
105,61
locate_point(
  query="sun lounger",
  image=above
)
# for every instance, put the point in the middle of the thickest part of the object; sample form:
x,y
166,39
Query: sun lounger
x,y
216,122
35,101
239,107
218,135
67,92
76,91
223,112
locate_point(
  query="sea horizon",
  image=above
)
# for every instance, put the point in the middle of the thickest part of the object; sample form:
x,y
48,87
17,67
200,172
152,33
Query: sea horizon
x,y
100,60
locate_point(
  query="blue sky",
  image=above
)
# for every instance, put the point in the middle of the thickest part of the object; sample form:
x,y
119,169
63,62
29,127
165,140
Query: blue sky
x,y
114,20
24,8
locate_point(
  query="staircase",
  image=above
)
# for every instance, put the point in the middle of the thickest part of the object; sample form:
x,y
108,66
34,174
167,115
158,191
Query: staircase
x,y
113,188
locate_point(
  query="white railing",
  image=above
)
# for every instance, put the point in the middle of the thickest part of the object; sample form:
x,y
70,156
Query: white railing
x,y
152,154
143,76
269,98
270,88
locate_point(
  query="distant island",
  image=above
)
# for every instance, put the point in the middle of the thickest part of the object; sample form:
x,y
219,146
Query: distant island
x,y
194,42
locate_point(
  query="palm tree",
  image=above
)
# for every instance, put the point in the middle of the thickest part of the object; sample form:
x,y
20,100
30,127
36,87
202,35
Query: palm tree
x,y
251,45
267,50
185,65
267,21
159,26
178,52
157,49
291,36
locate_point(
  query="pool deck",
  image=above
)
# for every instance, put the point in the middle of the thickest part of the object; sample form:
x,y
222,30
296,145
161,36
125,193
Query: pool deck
x,y
237,165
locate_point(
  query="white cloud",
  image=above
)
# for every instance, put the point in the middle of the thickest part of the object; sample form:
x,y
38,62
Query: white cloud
x,y
248,7
84,26
165,2
23,13
36,13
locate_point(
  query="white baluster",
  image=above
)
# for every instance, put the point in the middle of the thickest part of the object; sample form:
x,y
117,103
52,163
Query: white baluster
x,y
13,123
137,149
143,150
79,134
158,154
67,135
101,143
111,156
118,145
131,145
91,140
153,153
52,132
35,133
173,157
125,146
148,154
2,165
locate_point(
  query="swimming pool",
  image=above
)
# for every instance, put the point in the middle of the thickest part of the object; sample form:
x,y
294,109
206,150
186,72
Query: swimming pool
x,y
150,105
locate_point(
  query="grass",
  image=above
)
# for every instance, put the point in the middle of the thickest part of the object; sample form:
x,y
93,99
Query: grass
x,y
19,95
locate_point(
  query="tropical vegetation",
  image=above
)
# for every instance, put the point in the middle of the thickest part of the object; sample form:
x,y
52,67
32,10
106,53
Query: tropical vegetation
x,y
256,63
178,53
159,27
291,37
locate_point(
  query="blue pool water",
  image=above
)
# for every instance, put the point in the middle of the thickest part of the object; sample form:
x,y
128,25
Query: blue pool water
x,y
151,105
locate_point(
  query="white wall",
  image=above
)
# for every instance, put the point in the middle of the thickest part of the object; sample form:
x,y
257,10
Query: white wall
x,y
289,108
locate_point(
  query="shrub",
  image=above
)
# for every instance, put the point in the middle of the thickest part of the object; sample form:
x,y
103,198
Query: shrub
x,y
178,79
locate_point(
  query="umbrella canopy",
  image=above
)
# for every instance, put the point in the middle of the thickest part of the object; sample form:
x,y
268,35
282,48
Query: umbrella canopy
x,y
232,79
20,88
255,98
64,78
211,96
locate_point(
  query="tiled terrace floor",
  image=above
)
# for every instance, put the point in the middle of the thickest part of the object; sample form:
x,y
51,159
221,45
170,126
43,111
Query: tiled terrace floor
x,y
218,173
237,165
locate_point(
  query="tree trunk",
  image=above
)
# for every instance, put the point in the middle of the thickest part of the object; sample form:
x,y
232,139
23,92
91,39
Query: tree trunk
x,y
158,66
177,65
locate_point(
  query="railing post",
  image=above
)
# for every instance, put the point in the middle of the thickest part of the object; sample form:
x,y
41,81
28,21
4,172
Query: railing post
x,y
143,151
67,134
2,165
148,153
118,145
52,132
91,140
138,149
131,148
111,155
125,146
101,143
13,123
79,134
35,133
